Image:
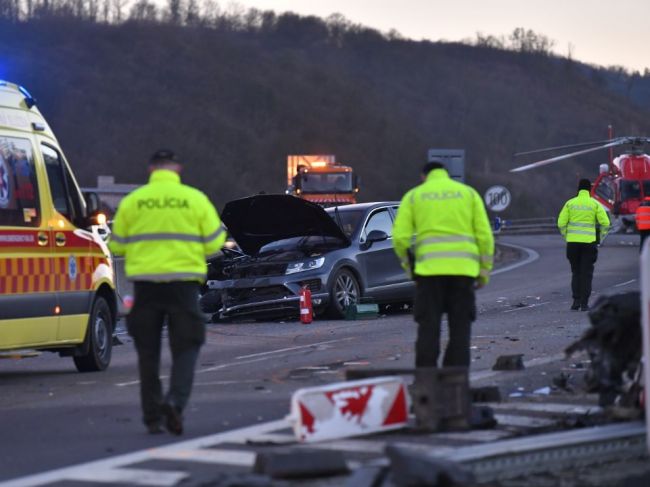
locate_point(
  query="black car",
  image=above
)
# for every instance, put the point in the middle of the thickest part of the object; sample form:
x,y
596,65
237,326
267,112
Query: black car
x,y
341,254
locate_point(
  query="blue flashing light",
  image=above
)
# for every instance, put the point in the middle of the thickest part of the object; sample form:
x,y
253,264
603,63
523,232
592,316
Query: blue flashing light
x,y
3,82
29,99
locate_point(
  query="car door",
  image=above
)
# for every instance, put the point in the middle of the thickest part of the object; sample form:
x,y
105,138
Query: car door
x,y
383,273
73,262
27,299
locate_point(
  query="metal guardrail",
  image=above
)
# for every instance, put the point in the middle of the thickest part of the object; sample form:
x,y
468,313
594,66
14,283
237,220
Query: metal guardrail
x,y
523,226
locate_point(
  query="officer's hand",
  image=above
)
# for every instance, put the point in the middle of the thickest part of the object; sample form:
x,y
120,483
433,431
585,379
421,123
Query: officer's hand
x,y
478,284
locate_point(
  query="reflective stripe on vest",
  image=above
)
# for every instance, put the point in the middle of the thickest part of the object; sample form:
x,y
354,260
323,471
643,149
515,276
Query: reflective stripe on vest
x,y
167,236
170,276
643,217
447,255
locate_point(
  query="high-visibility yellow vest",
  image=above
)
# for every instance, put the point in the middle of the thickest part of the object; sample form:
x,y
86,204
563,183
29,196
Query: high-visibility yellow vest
x,y
445,224
643,215
166,230
578,218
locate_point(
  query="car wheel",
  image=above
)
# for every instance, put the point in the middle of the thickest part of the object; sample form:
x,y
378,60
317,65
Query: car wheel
x,y
210,302
344,292
99,339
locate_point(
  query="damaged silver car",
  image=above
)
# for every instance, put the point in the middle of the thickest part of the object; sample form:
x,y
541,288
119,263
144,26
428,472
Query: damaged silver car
x,y
342,254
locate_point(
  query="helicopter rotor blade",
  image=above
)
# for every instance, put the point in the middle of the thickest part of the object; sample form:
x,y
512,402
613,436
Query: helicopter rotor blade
x,y
562,147
544,162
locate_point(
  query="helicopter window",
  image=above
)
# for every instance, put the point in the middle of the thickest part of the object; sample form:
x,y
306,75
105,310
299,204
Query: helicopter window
x,y
646,188
605,190
630,190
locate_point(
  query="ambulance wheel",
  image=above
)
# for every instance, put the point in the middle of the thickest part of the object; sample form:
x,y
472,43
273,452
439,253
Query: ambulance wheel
x,y
99,339
344,292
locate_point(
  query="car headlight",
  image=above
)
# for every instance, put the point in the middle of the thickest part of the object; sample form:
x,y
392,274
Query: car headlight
x,y
305,265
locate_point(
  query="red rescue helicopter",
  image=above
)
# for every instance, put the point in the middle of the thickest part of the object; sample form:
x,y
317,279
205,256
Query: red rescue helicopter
x,y
621,184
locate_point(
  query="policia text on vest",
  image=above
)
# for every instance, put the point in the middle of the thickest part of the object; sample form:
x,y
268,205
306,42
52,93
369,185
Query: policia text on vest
x,y
453,253
166,231
577,223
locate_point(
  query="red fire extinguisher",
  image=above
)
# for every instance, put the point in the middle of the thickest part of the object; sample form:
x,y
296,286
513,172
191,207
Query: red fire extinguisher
x,y
306,311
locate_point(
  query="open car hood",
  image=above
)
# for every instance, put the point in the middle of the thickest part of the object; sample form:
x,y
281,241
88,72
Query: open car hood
x,y
261,219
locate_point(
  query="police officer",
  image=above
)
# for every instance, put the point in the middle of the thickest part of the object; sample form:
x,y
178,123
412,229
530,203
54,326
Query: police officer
x,y
452,256
166,231
643,220
577,223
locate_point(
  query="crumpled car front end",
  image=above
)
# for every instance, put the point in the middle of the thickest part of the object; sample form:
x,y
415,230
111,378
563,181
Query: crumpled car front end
x,y
285,242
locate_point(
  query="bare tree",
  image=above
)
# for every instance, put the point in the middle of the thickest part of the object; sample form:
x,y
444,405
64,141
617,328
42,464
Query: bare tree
x,y
529,41
118,10
174,11
143,10
192,13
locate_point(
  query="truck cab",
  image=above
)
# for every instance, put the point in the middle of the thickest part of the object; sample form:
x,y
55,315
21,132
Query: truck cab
x,y
57,286
320,179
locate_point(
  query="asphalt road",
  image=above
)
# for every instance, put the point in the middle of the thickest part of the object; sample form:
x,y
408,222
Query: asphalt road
x,y
53,416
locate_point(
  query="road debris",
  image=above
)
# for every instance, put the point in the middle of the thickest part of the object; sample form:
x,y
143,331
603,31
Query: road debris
x,y
613,343
561,381
300,463
349,408
509,362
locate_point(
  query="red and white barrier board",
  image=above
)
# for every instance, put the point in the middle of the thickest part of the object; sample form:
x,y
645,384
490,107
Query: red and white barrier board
x,y
349,408
645,323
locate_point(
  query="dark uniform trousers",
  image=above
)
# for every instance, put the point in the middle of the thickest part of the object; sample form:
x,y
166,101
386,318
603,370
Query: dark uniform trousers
x,y
582,257
644,234
434,296
177,305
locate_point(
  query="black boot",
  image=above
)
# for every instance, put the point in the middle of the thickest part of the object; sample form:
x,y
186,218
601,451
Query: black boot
x,y
576,305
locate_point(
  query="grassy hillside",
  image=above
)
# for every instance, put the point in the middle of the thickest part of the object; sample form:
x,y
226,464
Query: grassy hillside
x,y
234,100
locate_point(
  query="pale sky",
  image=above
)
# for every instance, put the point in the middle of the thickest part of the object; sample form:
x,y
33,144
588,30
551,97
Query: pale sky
x,y
599,32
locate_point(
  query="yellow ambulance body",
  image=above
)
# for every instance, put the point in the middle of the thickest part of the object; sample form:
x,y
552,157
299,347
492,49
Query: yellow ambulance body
x,y
57,288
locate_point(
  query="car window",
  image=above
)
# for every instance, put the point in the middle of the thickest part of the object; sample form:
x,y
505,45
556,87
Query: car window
x,y
19,202
65,194
348,220
379,220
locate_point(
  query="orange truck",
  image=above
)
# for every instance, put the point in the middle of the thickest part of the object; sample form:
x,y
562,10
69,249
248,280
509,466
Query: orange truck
x,y
320,179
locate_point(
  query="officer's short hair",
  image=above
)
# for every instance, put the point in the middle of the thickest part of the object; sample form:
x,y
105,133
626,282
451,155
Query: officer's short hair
x,y
584,184
430,166
163,156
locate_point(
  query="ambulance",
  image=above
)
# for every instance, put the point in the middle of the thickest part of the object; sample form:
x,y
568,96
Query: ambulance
x,y
57,284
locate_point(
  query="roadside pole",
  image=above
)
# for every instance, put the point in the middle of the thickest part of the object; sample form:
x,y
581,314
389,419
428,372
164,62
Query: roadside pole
x,y
645,323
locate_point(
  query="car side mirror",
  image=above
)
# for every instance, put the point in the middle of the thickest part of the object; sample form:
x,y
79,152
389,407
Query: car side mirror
x,y
374,236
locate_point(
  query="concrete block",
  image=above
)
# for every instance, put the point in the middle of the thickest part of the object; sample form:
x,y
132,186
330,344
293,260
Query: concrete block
x,y
485,394
367,477
509,362
300,463
416,469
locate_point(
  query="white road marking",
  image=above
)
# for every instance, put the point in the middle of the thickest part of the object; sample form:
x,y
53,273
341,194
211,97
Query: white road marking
x,y
281,350
226,382
534,305
523,421
532,257
238,458
260,357
131,476
547,407
486,374
625,283
144,455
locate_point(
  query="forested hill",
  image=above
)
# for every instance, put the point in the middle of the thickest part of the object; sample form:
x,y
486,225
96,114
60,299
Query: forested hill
x,y
233,95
